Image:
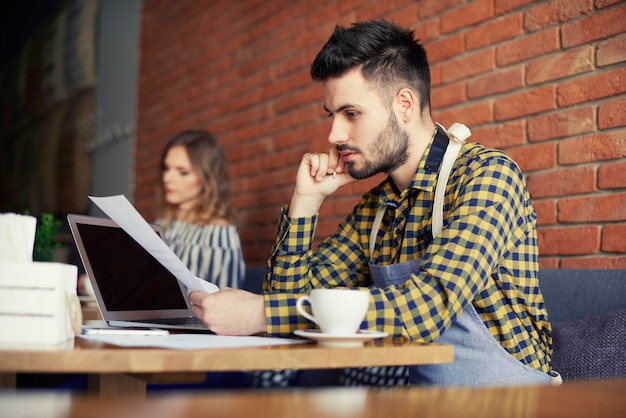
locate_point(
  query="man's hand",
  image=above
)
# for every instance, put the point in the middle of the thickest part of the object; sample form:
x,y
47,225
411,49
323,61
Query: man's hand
x,y
230,311
319,175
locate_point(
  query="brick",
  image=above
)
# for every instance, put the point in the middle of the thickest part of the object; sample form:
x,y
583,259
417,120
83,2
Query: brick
x,y
309,95
546,211
611,51
612,114
548,262
565,64
500,135
322,15
427,30
526,102
404,16
527,47
443,48
468,65
592,28
494,31
597,147
600,4
562,182
607,262
447,95
468,15
436,75
503,6
569,241
596,85
372,10
428,8
347,6
499,81
561,123
534,157
556,11
614,238
596,208
471,114
612,175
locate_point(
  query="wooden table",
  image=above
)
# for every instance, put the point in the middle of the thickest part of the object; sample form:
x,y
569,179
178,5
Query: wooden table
x,y
599,399
115,370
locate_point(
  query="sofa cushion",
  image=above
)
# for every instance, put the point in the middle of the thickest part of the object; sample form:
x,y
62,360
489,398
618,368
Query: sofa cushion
x,y
578,293
590,348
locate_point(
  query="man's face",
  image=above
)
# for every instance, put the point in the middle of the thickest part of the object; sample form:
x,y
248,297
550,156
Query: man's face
x,y
366,133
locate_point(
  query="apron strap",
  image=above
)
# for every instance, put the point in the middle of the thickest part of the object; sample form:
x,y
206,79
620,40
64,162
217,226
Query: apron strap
x,y
457,134
375,227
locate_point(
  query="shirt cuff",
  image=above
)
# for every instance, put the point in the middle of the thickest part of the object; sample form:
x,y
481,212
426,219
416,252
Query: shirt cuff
x,y
295,235
282,316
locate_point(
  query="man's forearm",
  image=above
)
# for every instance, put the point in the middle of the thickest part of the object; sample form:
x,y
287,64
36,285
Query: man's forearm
x,y
304,206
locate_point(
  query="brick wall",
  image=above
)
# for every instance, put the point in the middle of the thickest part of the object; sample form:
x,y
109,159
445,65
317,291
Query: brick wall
x,y
543,80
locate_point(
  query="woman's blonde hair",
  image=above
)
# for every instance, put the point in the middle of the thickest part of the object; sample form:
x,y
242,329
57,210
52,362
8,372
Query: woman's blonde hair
x,y
208,162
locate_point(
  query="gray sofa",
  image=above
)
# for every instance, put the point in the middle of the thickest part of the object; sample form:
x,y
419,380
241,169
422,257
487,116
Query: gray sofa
x,y
587,309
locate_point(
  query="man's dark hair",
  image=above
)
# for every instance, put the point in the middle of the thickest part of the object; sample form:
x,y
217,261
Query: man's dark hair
x,y
389,56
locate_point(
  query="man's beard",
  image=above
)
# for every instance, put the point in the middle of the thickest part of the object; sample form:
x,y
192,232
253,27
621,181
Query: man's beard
x,y
390,151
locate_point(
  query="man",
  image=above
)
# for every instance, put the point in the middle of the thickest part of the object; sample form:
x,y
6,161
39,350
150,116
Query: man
x,y
469,279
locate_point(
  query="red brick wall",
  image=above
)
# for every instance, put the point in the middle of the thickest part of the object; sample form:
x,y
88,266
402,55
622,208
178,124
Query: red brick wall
x,y
543,80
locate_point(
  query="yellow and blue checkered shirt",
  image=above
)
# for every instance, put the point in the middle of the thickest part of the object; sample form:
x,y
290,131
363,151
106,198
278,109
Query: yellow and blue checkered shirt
x,y
486,255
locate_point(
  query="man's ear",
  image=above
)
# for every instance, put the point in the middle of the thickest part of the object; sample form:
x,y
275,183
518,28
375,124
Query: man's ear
x,y
407,104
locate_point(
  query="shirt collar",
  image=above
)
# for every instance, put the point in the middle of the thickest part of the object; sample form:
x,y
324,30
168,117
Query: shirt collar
x,y
425,177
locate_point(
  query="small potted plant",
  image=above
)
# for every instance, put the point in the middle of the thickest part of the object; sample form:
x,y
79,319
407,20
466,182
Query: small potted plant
x,y
45,245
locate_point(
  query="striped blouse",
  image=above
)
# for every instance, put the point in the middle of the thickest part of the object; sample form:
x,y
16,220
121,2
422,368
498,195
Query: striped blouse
x,y
211,252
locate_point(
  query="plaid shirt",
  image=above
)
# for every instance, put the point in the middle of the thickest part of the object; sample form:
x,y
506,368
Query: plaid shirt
x,y
486,255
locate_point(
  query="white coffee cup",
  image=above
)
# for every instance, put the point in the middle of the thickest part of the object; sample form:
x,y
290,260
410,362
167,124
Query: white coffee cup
x,y
336,311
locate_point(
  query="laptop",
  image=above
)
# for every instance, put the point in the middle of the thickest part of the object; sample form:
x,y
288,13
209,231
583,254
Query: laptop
x,y
132,288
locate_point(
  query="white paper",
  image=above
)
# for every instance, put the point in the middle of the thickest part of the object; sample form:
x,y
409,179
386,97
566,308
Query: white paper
x,y
126,216
17,237
190,341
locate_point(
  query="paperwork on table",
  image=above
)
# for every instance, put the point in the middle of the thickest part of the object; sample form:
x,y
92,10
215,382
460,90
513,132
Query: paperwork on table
x,y
190,341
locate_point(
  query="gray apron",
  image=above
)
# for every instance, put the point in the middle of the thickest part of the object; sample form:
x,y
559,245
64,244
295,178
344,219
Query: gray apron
x,y
478,358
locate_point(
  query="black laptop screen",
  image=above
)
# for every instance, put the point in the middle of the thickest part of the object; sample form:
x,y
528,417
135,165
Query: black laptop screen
x,y
129,278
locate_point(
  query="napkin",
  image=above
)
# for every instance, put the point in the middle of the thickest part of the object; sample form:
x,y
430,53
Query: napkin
x,y
17,237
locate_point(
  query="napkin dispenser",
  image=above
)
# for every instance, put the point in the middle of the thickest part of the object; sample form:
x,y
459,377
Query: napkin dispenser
x,y
38,303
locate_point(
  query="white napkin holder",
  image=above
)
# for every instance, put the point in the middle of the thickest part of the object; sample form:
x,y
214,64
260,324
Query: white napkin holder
x,y
38,303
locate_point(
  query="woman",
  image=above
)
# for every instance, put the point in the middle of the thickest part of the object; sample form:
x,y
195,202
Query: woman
x,y
199,226
196,214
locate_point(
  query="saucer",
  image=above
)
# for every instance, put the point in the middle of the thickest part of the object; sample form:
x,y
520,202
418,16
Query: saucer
x,y
340,340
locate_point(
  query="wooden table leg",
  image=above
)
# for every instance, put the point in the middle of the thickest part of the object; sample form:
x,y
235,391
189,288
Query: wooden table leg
x,y
108,385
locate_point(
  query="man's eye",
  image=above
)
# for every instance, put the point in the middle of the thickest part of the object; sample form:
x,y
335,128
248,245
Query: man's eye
x,y
352,115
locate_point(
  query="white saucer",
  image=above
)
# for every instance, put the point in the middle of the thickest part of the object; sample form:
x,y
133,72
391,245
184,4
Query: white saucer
x,y
340,340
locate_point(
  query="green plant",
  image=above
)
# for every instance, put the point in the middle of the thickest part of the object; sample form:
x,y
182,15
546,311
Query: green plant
x,y
45,246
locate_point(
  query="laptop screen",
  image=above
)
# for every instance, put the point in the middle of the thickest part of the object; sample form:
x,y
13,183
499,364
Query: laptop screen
x,y
128,277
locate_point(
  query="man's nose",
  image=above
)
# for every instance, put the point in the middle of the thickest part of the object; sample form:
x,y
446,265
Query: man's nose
x,y
338,133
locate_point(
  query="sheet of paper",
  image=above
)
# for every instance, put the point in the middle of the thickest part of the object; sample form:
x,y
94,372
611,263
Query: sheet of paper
x,y
124,213
190,341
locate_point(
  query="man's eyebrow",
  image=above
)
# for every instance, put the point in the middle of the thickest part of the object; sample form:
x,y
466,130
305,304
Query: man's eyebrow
x,y
343,107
